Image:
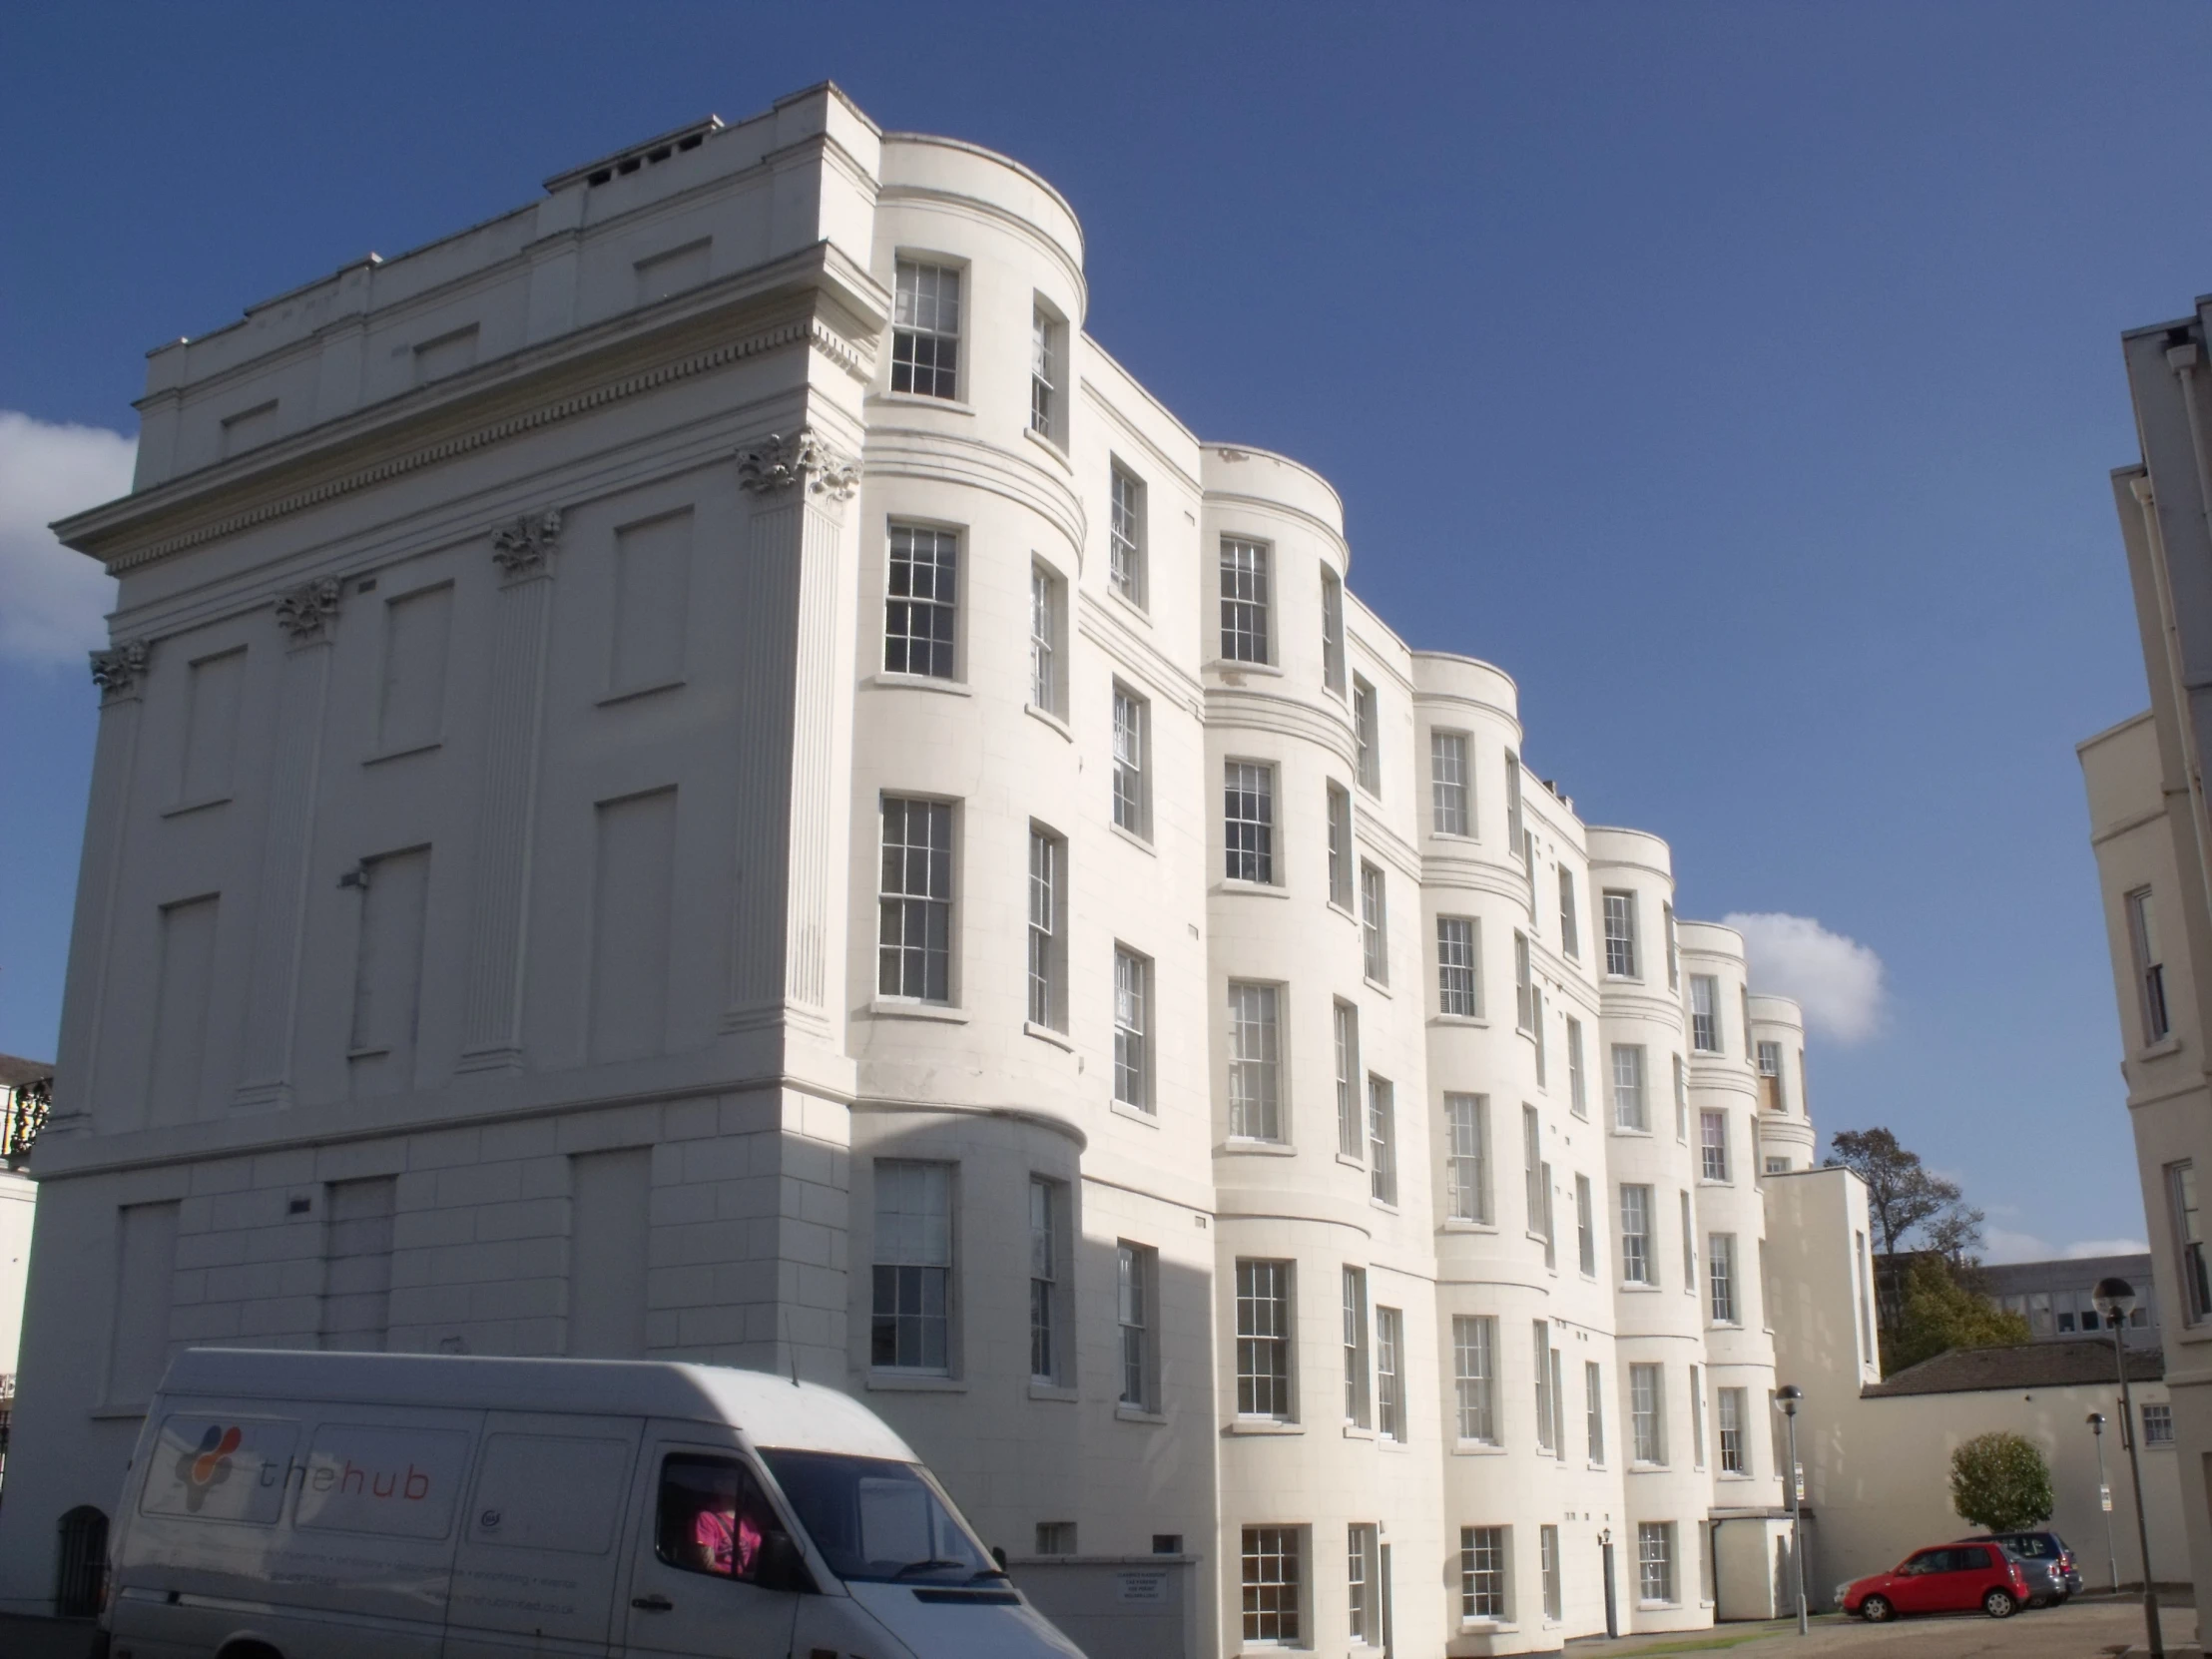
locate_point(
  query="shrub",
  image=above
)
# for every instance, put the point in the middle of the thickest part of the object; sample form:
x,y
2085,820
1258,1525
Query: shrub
x,y
2001,1484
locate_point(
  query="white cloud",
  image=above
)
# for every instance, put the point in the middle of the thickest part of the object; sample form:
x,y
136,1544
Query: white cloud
x,y
2002,1244
2081,1249
53,601
1835,980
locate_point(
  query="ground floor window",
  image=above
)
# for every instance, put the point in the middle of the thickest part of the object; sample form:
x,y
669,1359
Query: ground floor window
x,y
1655,1560
1363,1580
1483,1582
1271,1584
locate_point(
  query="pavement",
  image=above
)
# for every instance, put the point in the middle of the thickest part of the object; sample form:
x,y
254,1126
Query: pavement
x,y
2087,1627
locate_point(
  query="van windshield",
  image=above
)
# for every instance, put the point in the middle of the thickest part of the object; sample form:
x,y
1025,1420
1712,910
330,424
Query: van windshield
x,y
875,1519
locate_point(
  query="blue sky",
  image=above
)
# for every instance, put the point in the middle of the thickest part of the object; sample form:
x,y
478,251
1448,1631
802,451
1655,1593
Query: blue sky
x,y
1743,378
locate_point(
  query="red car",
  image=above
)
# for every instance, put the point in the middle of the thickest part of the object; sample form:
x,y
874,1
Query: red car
x,y
1950,1578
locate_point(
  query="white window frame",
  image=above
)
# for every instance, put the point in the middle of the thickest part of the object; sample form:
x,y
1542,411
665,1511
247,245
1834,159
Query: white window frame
x,y
1248,821
1578,1083
1375,924
933,318
1126,534
1047,930
1655,1574
923,1240
1246,634
1468,1157
1705,1013
1049,1232
1713,1158
922,624
1459,968
1047,688
2189,1242
2150,970
1620,933
1367,730
1132,1029
1630,1110
1342,859
1137,1280
1721,1276
1382,1141
1390,1375
1272,1576
1363,1584
1485,1576
1359,1408
1637,1265
1475,1378
1585,1226
1450,783
1647,1414
1132,772
1570,916
1332,631
1266,1352
1255,1072
1048,374
1593,1411
923,899
1730,1409
1345,1041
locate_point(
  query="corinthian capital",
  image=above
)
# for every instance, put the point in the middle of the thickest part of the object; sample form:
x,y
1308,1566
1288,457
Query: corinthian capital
x,y
802,458
120,668
524,545
306,612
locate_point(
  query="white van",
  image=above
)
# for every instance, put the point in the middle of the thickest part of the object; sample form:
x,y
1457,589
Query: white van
x,y
419,1506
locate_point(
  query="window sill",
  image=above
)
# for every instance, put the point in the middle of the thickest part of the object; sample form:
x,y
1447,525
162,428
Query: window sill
x,y
1352,1431
2168,1044
183,809
1045,1034
1264,1427
1476,1448
921,400
1382,987
1649,1468
1349,1161
1389,1442
1231,668
1489,1627
914,1382
1134,839
1051,446
1473,1022
401,752
1053,1390
1250,890
1456,837
1126,1412
1257,1149
891,680
1622,979
1627,1133
1709,1181
1656,1606
1049,719
633,693
1122,1109
1388,1206
1344,910
1595,1469
1630,1287
893,1008
1464,1224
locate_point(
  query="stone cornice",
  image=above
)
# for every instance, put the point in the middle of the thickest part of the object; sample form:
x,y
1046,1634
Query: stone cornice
x,y
373,446
916,452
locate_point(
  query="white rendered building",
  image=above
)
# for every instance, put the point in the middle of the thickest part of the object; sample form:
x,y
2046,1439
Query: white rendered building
x,y
696,770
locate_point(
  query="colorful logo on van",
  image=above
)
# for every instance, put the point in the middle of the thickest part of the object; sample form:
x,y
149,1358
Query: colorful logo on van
x,y
209,1465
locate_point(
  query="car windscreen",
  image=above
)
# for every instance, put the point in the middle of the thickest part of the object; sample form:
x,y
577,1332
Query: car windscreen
x,y
874,1519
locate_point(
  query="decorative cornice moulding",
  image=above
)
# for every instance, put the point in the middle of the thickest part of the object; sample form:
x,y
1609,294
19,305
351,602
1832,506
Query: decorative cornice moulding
x,y
522,546
810,332
307,611
120,668
802,458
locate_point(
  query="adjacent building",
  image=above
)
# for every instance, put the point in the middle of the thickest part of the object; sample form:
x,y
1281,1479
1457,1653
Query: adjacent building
x,y
2153,840
697,770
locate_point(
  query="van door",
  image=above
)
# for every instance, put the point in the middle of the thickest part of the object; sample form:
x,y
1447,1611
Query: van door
x,y
700,1517
541,1535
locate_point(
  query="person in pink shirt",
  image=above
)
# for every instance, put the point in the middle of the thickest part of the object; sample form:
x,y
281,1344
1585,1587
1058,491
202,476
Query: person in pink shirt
x,y
729,1535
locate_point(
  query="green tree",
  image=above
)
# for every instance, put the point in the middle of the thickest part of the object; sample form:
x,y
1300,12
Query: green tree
x,y
1939,1310
1999,1482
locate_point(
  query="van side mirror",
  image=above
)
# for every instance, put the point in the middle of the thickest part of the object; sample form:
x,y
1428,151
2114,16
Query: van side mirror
x,y
782,1565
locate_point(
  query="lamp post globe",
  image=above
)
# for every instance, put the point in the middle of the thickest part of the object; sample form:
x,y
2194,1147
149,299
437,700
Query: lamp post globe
x,y
2115,1299
1786,1401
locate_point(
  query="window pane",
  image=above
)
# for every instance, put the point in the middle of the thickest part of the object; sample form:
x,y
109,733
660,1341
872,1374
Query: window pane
x,y
1253,1064
1447,774
1248,821
925,331
915,943
919,608
1244,601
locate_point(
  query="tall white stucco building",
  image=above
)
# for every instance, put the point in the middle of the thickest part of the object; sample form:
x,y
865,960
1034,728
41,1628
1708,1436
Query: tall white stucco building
x,y
696,770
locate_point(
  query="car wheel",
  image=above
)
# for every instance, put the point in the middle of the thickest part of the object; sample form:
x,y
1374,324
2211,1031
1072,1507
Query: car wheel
x,y
1998,1604
1877,1609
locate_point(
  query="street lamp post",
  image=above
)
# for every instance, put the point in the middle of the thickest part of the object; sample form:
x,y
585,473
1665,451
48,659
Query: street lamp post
x,y
2104,1501
1786,1401
2114,1298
